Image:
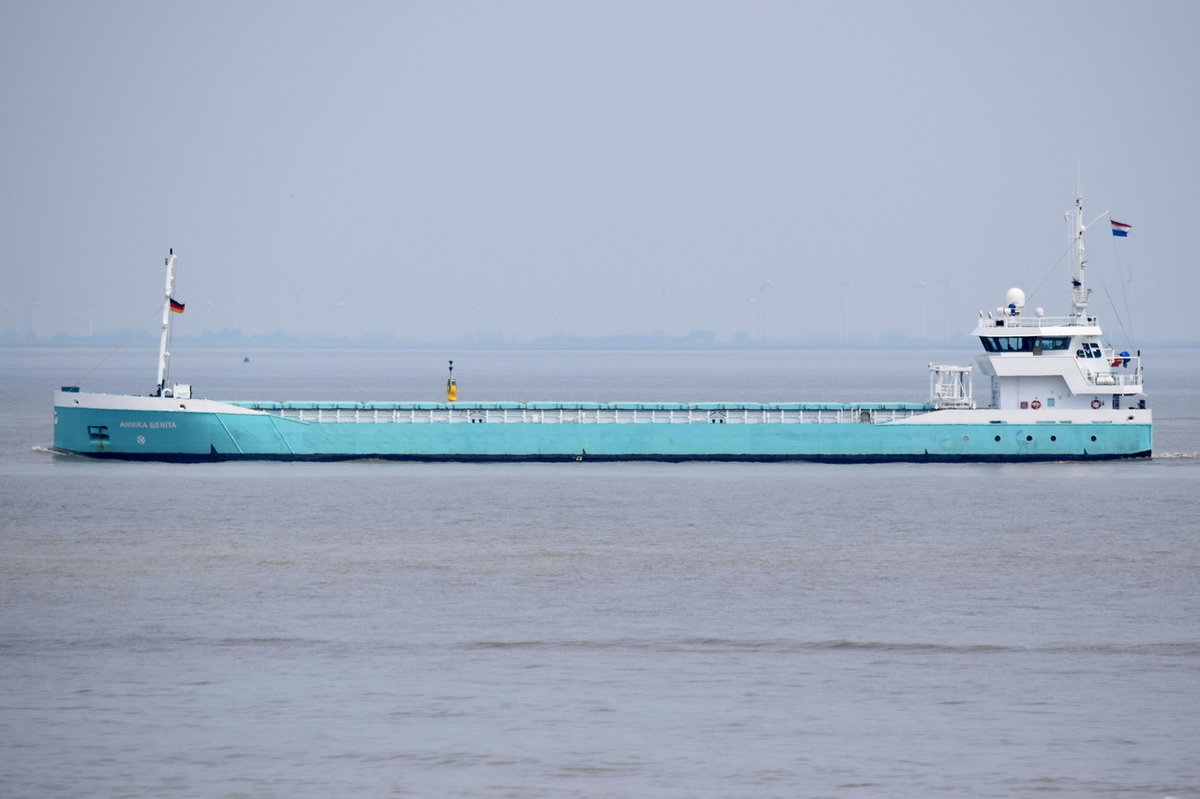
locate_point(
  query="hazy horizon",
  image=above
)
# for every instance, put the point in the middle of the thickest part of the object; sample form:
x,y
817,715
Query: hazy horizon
x,y
765,171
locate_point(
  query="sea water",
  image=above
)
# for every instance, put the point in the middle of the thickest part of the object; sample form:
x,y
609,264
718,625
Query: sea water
x,y
585,629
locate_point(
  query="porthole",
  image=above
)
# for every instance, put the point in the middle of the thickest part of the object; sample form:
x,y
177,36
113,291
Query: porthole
x,y
1054,438
1093,438
966,438
997,438
1029,438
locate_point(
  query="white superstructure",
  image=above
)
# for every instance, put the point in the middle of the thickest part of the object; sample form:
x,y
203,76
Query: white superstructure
x,y
1060,367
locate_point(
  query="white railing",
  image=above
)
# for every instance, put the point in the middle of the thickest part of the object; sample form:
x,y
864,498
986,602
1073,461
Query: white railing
x,y
1038,321
950,386
1114,378
388,413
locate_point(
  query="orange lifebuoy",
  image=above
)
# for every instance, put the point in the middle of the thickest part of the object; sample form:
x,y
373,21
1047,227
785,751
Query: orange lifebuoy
x,y
1096,404
1035,404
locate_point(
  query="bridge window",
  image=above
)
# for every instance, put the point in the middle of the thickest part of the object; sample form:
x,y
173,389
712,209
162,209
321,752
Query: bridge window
x,y
1023,343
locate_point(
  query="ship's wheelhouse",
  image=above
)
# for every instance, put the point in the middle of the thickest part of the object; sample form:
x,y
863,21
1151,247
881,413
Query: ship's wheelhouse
x,y
1036,344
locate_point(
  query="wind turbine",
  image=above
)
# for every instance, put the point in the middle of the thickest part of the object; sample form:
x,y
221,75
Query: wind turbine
x,y
846,288
296,306
503,321
754,305
343,331
753,301
662,306
393,310
928,292
91,328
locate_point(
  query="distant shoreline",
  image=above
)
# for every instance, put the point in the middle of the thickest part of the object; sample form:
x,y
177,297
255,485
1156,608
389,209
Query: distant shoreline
x,y
144,339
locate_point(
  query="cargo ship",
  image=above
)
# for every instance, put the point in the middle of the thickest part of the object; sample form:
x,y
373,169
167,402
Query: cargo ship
x,y
1056,392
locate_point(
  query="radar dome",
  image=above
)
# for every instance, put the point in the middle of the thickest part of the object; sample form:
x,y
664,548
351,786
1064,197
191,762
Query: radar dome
x,y
1014,298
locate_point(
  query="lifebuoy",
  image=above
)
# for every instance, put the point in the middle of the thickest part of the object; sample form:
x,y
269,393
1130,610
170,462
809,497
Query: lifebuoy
x,y
1096,404
1035,404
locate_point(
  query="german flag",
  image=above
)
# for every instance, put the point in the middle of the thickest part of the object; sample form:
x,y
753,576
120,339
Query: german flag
x,y
177,307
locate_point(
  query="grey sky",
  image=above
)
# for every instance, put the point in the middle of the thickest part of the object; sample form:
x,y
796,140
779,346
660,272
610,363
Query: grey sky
x,y
426,169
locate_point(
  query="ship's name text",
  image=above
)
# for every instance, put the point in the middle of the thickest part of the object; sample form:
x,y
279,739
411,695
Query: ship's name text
x,y
148,425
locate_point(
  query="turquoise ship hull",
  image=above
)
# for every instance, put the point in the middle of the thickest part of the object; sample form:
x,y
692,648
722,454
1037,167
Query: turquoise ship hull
x,y
213,431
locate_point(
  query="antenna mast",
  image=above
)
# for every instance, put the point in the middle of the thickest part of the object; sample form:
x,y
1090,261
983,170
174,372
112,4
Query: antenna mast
x,y
164,354
1080,294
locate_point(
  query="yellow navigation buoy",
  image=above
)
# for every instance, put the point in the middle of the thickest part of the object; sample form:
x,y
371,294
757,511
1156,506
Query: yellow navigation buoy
x,y
451,386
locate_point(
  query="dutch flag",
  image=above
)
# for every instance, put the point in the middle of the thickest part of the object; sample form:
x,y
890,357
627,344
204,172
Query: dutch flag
x,y
1120,228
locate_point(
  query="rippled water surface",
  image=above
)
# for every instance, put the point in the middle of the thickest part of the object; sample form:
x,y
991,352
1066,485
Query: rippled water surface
x,y
592,630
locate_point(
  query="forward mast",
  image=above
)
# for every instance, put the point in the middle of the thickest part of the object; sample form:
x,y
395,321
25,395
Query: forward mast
x,y
164,343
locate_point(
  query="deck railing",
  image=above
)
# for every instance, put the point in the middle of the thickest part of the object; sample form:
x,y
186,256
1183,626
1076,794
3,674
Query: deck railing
x,y
588,413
